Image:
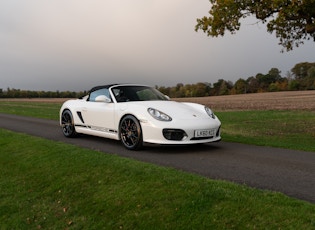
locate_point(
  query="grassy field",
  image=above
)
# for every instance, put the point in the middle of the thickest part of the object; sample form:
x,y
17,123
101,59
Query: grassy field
x,y
283,129
47,110
52,185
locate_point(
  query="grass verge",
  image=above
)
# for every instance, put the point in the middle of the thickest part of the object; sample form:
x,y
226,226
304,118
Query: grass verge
x,y
52,185
31,109
284,129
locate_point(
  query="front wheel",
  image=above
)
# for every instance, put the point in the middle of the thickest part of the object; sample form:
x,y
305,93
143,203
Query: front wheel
x,y
130,133
67,124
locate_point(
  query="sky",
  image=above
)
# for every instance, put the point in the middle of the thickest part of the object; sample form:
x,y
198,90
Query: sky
x,y
77,44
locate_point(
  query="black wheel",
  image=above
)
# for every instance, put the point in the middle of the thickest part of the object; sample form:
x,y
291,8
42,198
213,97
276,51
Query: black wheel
x,y
130,133
67,124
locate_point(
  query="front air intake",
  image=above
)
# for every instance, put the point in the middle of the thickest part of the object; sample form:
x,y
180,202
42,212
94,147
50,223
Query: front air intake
x,y
174,134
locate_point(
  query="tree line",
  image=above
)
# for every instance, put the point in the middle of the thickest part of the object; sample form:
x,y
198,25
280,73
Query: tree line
x,y
18,93
301,77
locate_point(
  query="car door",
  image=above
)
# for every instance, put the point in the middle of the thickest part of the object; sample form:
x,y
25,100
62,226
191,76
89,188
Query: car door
x,y
99,116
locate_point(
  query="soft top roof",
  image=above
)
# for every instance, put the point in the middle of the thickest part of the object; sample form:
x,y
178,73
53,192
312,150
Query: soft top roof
x,y
101,87
108,86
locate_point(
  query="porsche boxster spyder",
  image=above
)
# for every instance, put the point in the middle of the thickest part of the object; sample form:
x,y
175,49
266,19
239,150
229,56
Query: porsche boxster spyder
x,y
137,114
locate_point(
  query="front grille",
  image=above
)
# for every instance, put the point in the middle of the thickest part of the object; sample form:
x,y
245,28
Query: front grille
x,y
174,134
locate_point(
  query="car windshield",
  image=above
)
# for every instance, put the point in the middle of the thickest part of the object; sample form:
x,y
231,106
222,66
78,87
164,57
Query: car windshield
x,y
137,93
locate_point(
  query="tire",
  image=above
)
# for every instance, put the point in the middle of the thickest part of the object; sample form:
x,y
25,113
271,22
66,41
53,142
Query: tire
x,y
67,124
130,133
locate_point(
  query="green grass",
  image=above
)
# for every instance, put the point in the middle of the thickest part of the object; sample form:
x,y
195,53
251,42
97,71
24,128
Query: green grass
x,y
284,129
52,185
31,109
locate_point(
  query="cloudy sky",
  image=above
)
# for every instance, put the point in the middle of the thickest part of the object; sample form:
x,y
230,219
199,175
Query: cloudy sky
x,y
76,44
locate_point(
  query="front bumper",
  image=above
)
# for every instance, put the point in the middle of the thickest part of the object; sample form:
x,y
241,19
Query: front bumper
x,y
182,132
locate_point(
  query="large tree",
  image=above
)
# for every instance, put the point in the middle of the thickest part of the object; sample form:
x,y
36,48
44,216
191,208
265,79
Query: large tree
x,y
292,21
300,70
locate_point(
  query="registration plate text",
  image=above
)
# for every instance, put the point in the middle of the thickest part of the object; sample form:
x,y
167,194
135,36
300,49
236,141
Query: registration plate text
x,y
205,133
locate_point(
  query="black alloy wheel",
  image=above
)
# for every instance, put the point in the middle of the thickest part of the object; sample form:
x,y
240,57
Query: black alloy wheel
x,y
130,133
67,124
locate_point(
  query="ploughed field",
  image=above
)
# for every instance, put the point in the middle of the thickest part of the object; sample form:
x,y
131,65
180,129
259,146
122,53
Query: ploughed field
x,y
289,100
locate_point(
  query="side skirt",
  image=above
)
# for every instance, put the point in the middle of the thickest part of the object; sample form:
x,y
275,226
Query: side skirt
x,y
106,133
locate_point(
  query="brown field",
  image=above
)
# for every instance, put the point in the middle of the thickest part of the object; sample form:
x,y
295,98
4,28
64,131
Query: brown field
x,y
291,100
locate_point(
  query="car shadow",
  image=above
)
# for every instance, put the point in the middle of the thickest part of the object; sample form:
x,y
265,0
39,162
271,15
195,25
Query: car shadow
x,y
180,149
100,143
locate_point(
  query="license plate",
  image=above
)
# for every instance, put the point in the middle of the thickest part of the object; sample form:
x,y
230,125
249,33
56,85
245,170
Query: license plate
x,y
205,133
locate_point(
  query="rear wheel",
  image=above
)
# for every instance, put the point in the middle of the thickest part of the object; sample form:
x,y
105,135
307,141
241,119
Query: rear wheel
x,y
130,133
67,124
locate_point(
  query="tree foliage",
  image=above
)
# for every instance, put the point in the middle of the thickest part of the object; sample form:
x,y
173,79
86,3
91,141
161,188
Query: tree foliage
x,y
301,77
292,21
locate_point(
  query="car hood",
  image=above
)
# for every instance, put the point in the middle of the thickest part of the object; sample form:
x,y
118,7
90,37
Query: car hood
x,y
172,108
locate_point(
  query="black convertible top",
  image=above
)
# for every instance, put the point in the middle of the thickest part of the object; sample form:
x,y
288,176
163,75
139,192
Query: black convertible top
x,y
101,87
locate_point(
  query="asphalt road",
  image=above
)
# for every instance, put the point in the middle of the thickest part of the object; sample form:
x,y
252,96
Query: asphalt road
x,y
287,171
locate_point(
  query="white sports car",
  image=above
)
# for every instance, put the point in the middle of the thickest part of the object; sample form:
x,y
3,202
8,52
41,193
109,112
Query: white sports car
x,y
136,114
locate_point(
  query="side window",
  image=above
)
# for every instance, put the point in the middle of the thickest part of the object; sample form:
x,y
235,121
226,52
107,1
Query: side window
x,y
121,94
96,93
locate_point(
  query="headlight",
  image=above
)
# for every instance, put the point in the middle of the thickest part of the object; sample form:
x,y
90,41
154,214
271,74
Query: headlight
x,y
159,115
209,112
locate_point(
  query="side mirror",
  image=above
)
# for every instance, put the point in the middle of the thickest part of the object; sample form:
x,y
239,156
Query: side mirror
x,y
168,98
102,98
